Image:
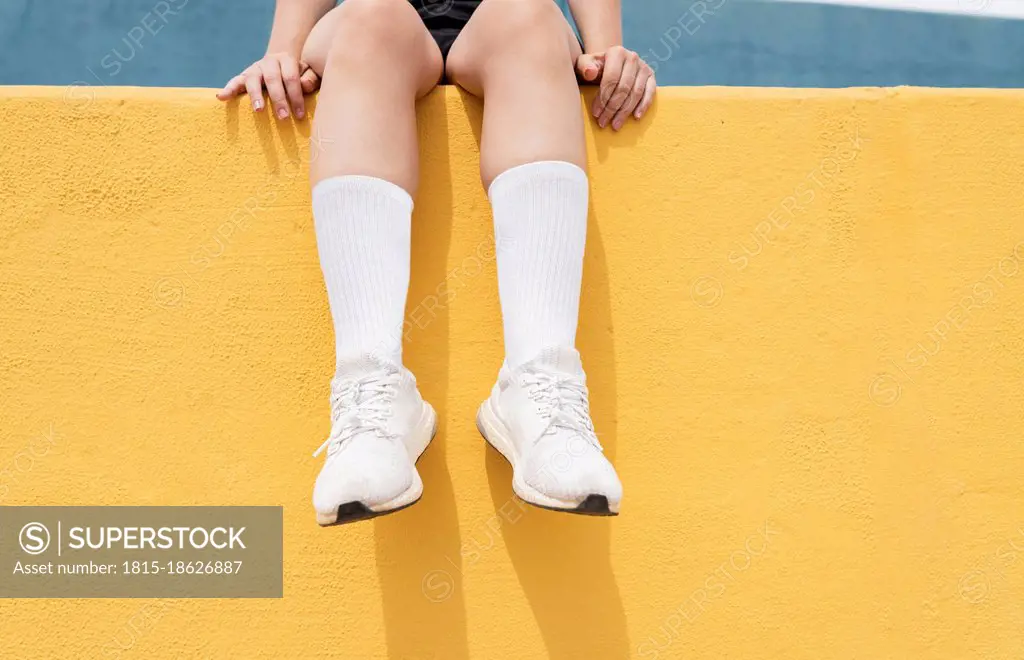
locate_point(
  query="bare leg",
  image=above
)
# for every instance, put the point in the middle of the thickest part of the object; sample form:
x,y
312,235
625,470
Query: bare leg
x,y
376,58
518,55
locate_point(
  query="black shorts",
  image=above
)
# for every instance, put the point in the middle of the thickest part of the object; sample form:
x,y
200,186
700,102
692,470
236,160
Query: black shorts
x,y
445,19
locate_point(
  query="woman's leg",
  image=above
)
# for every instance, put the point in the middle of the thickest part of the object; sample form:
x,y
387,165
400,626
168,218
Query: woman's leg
x,y
519,56
376,58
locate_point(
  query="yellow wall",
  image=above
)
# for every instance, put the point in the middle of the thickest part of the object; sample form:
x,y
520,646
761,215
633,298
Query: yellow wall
x,y
820,441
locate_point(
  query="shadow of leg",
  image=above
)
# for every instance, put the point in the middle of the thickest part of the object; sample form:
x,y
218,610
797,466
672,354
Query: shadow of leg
x,y
563,564
418,559
563,560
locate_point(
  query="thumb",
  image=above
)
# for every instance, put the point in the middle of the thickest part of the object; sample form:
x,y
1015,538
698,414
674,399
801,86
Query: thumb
x,y
589,67
309,81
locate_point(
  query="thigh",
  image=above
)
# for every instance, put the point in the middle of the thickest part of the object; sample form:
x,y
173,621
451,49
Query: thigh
x,y
324,34
478,38
318,43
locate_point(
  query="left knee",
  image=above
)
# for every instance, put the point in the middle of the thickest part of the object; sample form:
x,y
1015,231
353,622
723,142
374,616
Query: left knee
x,y
524,29
523,18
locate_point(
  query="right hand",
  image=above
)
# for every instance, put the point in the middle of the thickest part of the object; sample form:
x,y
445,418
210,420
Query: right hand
x,y
285,78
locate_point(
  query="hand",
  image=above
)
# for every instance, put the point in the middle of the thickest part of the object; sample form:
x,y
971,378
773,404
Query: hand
x,y
285,78
627,84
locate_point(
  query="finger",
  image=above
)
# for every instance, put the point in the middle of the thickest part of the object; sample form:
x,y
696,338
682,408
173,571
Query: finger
x,y
254,87
275,87
234,87
588,67
614,60
292,87
310,81
630,69
645,103
636,95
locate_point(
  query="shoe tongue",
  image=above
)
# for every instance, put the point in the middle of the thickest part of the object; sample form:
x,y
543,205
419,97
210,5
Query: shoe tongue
x,y
563,360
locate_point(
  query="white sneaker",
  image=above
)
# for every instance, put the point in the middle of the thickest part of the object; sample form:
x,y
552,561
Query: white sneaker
x,y
379,427
538,417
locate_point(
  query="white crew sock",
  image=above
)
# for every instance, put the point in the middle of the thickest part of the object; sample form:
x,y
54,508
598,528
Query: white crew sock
x,y
540,228
363,227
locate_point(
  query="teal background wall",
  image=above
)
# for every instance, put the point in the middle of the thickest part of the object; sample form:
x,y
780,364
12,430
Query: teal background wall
x,y
746,42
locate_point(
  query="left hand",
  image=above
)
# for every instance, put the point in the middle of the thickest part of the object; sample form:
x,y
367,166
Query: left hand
x,y
627,84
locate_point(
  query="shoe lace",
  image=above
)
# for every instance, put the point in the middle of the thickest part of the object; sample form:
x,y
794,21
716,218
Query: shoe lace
x,y
359,405
563,399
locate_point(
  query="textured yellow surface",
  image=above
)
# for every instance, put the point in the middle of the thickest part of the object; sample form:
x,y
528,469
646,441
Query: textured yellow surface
x,y
802,322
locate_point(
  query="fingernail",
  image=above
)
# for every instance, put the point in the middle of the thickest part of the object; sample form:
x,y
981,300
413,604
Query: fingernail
x,y
637,114
602,123
257,104
617,125
300,113
282,113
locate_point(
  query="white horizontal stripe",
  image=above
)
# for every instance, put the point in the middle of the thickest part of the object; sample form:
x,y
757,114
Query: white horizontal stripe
x,y
994,8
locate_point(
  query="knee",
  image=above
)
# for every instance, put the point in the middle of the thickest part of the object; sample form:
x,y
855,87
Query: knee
x,y
374,29
527,26
533,32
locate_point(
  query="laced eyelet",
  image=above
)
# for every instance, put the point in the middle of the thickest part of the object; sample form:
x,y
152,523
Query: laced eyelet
x,y
358,406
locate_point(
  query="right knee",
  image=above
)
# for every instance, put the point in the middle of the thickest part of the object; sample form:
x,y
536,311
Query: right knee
x,y
375,29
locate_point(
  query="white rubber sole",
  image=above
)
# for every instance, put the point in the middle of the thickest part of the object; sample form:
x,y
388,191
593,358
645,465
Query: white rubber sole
x,y
498,436
422,433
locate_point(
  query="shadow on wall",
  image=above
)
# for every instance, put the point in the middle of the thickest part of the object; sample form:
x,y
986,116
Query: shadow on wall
x,y
562,561
421,605
424,607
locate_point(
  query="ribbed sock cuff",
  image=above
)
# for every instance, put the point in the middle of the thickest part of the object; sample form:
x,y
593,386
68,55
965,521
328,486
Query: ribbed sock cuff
x,y
358,183
543,169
